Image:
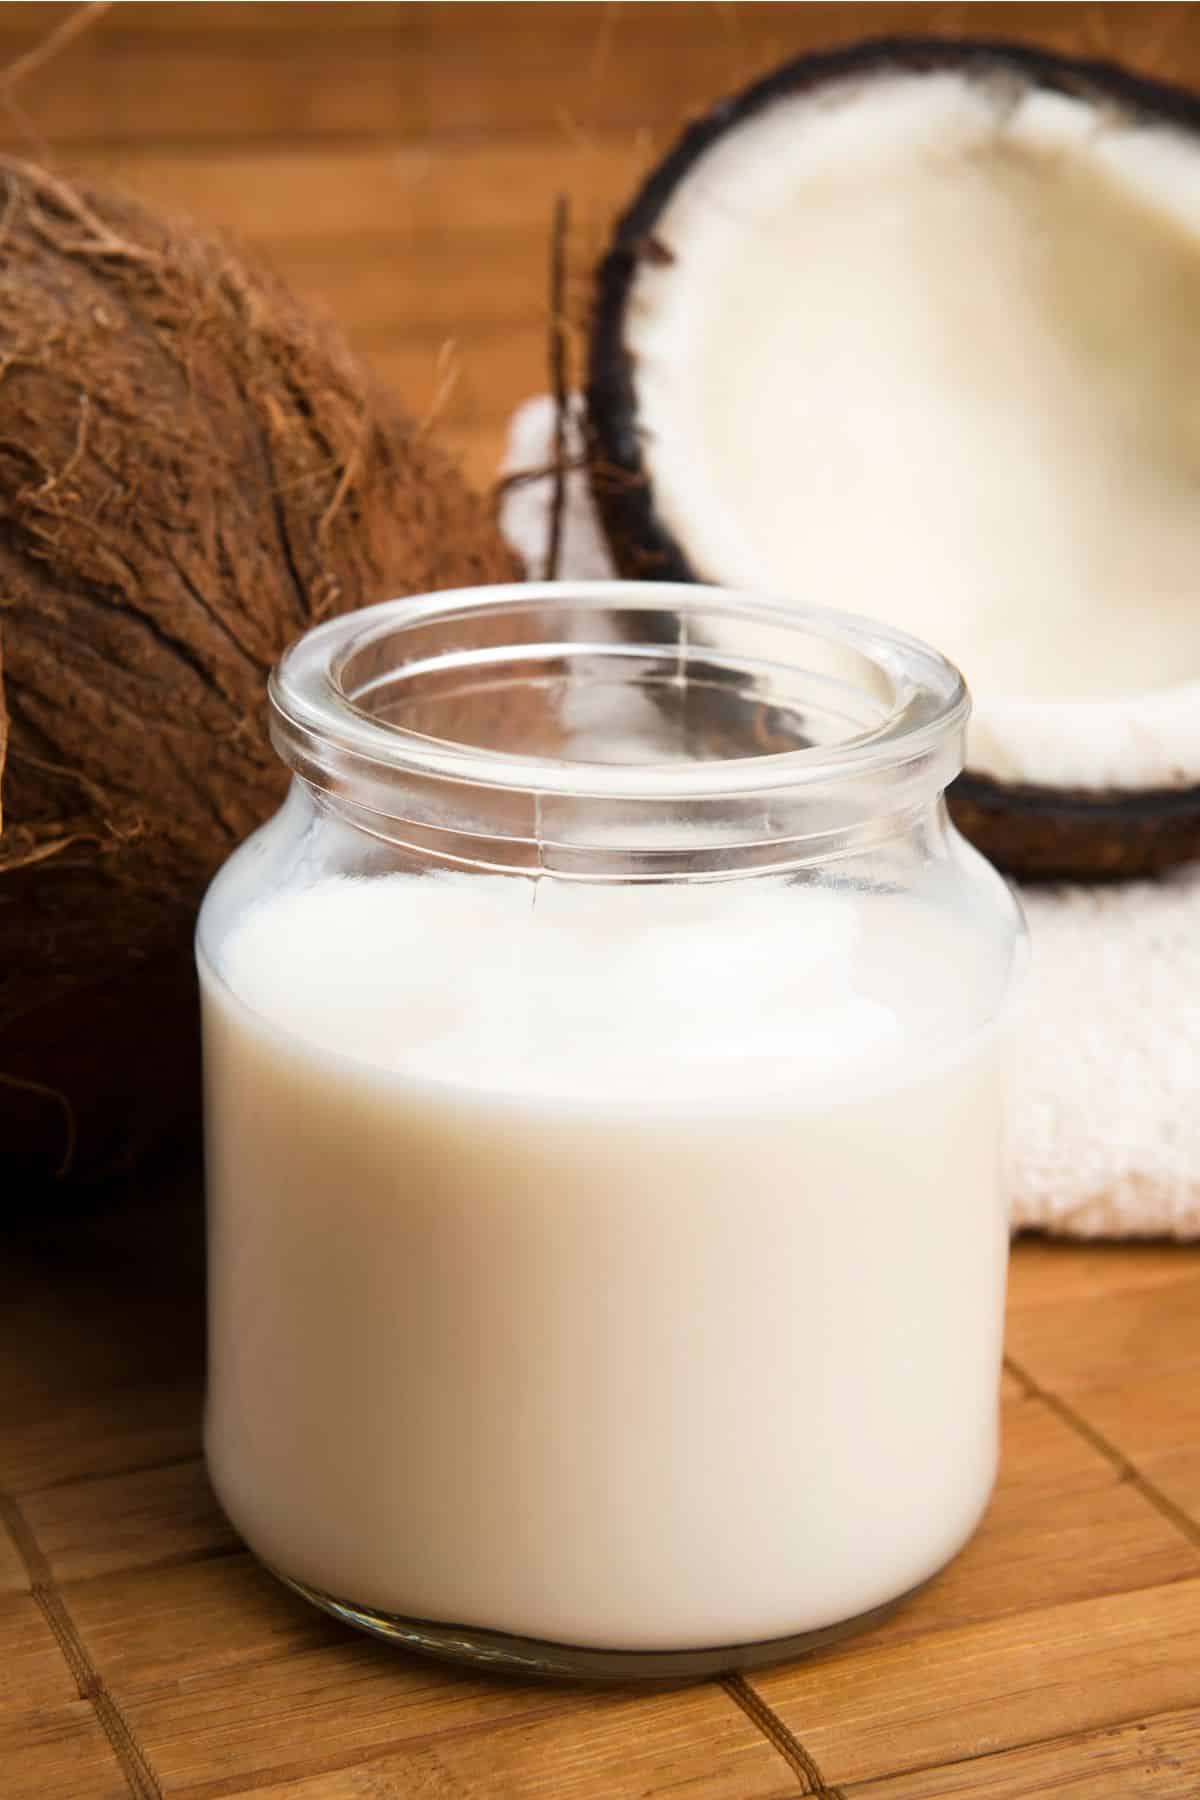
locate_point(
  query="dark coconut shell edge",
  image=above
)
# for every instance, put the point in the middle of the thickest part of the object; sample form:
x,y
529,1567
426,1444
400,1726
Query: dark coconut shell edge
x,y
1029,830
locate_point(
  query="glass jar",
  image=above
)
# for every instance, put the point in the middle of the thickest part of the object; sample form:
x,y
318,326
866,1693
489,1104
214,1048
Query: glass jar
x,y
605,1064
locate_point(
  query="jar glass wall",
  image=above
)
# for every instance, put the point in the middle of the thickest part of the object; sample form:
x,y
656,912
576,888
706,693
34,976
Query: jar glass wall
x,y
605,1060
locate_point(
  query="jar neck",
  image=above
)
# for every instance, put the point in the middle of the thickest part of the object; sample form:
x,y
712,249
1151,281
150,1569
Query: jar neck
x,y
921,828
620,731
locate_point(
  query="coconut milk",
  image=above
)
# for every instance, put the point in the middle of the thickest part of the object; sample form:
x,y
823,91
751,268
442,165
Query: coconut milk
x,y
619,1267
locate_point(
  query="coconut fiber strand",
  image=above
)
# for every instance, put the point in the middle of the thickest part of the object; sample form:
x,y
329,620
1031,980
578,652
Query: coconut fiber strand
x,y
1106,1140
192,472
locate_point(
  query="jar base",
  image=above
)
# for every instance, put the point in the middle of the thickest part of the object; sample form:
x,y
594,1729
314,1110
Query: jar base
x,y
506,1654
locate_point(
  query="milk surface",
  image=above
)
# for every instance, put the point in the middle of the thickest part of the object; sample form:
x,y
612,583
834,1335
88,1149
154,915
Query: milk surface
x,y
619,1267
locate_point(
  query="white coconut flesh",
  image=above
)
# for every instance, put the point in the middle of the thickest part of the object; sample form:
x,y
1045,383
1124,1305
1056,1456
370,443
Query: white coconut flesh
x,y
929,349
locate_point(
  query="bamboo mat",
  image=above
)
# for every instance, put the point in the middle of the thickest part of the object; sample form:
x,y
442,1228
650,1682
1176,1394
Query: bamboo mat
x,y
143,1652
400,164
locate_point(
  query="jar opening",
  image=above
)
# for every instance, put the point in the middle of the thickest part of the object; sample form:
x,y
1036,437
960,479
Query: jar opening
x,y
535,685
631,702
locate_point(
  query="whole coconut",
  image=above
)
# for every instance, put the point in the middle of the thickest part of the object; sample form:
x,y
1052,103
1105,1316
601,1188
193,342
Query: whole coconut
x,y
192,472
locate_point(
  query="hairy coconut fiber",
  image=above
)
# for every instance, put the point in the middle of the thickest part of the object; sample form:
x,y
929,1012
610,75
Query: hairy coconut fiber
x,y
192,472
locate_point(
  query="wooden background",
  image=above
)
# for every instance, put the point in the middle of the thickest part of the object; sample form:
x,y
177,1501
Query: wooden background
x,y
400,162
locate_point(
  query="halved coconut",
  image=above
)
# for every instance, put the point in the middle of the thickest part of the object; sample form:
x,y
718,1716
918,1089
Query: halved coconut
x,y
913,329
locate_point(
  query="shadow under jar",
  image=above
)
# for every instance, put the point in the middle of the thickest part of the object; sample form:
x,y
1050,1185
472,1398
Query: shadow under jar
x,y
606,1051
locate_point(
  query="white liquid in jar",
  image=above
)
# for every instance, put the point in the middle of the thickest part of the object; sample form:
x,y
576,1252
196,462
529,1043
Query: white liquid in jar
x,y
623,1269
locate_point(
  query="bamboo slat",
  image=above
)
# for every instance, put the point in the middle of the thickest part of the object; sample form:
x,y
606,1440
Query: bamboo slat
x,y
1020,1680
1155,1759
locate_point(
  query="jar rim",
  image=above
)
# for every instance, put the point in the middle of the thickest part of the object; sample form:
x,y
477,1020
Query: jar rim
x,y
924,711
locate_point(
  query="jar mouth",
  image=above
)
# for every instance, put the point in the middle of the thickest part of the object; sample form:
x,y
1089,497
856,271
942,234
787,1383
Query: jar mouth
x,y
615,691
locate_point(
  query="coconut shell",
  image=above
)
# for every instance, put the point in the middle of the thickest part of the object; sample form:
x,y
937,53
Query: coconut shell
x,y
193,471
1027,830
1075,834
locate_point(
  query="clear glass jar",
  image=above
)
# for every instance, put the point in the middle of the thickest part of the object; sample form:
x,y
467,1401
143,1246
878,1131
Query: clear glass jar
x,y
605,1063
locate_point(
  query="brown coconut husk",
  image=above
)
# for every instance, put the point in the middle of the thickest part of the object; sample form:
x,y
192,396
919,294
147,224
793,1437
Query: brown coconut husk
x,y
193,471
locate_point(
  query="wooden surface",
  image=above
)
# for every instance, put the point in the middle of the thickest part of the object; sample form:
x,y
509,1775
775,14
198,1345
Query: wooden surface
x,y
400,164
143,1652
